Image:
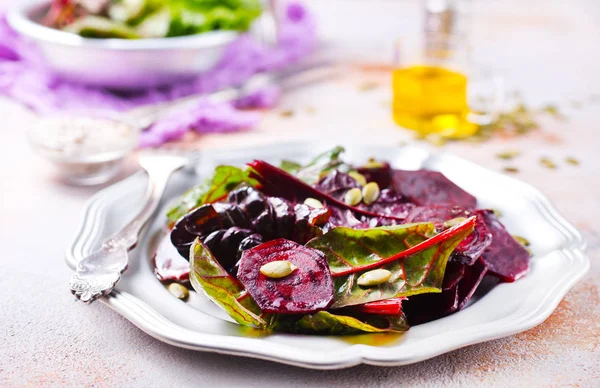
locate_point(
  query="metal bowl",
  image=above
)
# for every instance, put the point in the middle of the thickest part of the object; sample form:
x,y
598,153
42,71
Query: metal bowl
x,y
119,63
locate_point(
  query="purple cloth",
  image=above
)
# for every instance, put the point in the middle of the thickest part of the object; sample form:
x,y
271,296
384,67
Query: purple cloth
x,y
24,78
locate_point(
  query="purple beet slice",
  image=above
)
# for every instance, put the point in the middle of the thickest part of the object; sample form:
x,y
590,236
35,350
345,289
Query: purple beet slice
x,y
473,246
454,273
424,188
428,307
306,290
505,257
470,281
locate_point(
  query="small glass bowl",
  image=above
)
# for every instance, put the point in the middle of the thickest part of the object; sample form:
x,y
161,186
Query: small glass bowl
x,y
84,150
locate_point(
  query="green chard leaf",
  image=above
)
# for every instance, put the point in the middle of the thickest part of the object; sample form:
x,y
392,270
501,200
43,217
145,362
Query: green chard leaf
x,y
317,167
207,276
225,180
325,322
290,167
413,253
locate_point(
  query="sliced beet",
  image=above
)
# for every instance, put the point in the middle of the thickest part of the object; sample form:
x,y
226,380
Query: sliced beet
x,y
454,273
468,284
306,290
168,263
473,246
505,257
428,307
424,188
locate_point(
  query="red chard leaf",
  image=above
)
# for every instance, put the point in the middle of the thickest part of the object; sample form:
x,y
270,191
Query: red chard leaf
x,y
276,182
414,254
472,247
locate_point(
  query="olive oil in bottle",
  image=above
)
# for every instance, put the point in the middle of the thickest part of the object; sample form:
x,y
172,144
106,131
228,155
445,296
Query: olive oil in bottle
x,y
431,99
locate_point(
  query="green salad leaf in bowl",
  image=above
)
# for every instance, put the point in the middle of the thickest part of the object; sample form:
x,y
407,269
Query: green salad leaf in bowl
x,y
137,19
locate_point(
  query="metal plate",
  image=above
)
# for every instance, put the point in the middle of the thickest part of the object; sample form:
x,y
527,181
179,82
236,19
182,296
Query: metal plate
x,y
499,311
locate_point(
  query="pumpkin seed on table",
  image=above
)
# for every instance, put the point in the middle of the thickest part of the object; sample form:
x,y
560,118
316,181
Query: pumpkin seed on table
x,y
314,203
178,291
512,170
277,269
572,161
374,277
358,177
353,197
546,162
508,155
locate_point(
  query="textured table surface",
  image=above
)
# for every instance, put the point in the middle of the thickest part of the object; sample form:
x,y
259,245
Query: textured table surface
x,y
547,50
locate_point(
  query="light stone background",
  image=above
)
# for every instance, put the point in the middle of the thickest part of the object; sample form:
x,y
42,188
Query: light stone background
x,y
546,49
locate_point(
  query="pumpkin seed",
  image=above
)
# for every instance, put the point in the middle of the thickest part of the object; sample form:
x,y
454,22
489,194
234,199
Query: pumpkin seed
x,y
358,177
508,155
522,240
497,213
353,197
510,169
314,203
370,192
374,277
178,291
571,160
277,269
546,162
373,164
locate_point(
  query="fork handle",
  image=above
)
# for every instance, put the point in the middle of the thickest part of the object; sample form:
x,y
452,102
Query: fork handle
x,y
127,237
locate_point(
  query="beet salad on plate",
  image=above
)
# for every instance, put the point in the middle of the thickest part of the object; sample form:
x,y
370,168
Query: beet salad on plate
x,y
335,248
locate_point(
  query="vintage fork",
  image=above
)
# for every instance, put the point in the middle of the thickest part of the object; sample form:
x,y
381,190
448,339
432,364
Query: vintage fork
x,y
97,274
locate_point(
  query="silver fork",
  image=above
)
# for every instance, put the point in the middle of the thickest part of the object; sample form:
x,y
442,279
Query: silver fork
x,y
97,274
